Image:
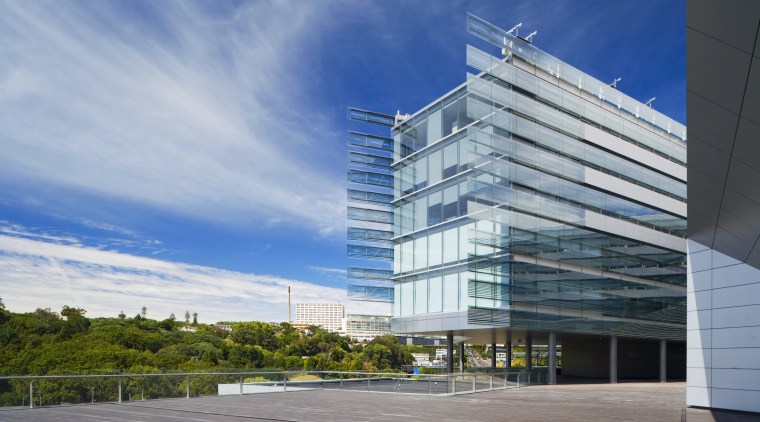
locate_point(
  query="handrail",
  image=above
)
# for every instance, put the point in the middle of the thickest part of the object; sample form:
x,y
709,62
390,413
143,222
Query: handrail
x,y
445,384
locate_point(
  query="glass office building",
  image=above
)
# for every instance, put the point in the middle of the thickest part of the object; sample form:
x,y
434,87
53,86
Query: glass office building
x,y
536,203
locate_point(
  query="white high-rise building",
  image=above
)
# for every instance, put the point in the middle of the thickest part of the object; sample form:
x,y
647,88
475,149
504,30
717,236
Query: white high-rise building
x,y
326,315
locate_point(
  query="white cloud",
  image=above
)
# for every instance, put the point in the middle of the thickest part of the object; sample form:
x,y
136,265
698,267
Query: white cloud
x,y
37,274
201,112
327,270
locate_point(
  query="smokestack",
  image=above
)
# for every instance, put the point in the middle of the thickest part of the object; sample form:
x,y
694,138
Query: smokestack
x,y
289,320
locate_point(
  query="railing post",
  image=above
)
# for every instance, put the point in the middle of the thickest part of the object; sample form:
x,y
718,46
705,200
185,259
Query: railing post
x,y
369,381
454,385
491,381
284,382
119,390
429,390
187,387
474,377
31,395
241,385
341,381
398,384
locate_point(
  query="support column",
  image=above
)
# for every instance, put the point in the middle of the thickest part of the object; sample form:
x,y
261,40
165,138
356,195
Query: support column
x,y
450,353
493,355
509,353
529,351
461,356
552,369
613,359
663,360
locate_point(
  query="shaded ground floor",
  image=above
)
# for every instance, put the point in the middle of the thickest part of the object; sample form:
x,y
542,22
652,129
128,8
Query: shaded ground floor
x,y
591,356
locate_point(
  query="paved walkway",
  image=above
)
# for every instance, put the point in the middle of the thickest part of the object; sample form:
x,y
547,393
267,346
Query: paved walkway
x,y
584,402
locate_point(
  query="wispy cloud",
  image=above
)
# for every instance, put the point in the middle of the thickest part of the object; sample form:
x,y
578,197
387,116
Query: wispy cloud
x,y
105,282
198,108
326,270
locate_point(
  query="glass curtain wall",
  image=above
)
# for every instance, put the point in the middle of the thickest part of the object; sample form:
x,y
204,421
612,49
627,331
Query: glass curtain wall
x,y
526,201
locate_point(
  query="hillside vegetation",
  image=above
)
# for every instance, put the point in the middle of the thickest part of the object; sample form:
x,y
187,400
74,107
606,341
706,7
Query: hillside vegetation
x,y
44,342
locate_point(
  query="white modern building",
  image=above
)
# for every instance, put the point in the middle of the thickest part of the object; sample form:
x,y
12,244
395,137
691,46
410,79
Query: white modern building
x,y
723,106
326,315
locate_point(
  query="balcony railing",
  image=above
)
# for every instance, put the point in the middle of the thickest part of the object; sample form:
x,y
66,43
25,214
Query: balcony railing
x,y
54,390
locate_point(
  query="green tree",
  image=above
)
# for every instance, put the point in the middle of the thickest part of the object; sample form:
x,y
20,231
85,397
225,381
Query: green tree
x,y
245,356
195,318
400,355
75,322
379,356
255,333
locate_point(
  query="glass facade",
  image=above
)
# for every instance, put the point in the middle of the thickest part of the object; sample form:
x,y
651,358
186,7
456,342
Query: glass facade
x,y
531,197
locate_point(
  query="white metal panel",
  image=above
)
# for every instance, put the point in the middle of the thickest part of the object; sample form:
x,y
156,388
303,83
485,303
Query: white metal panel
x,y
633,191
698,377
697,396
613,143
698,339
633,231
738,296
729,398
699,319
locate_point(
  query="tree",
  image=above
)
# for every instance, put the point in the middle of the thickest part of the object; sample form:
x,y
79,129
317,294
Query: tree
x,y
379,355
122,315
75,322
255,333
399,354
72,312
187,317
143,312
172,317
3,316
195,318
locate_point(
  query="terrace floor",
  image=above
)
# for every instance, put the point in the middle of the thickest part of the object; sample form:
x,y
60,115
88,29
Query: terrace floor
x,y
634,401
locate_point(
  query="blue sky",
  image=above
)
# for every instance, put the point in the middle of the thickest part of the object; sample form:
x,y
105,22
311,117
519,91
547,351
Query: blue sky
x,y
191,155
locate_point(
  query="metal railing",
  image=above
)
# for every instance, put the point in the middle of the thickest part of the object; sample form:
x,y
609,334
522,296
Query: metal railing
x,y
53,390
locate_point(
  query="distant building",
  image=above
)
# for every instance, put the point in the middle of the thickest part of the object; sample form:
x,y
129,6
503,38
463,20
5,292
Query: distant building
x,y
440,353
366,327
421,359
189,328
326,315
225,327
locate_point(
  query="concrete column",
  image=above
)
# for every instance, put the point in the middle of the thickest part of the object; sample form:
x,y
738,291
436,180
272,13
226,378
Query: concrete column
x,y
529,351
509,353
450,353
461,357
663,360
493,355
613,359
552,369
